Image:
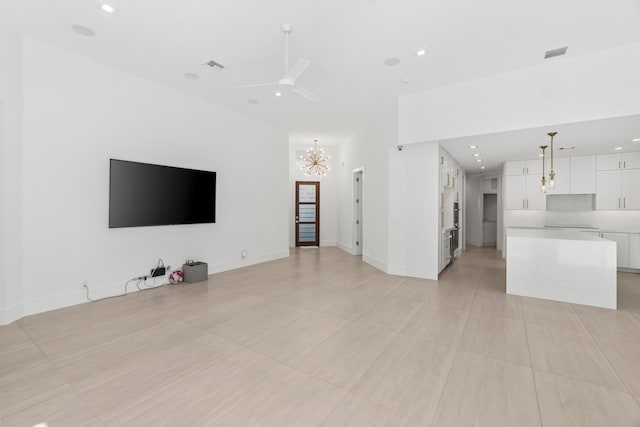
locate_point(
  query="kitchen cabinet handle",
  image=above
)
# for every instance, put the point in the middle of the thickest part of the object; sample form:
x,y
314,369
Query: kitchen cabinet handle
x,y
527,203
624,164
441,200
625,203
619,167
618,202
522,203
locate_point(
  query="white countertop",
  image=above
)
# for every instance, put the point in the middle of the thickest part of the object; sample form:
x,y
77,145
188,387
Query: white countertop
x,y
584,229
551,233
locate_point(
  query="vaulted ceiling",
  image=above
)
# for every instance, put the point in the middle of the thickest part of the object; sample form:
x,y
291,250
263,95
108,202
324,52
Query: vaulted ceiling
x,y
347,43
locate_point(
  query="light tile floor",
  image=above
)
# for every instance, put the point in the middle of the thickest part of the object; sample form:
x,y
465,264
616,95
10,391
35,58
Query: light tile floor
x,y
322,339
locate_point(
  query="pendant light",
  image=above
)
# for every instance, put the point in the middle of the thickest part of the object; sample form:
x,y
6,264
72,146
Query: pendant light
x,y
544,180
552,174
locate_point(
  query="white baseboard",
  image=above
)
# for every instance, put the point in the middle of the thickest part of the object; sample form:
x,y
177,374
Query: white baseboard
x,y
328,243
473,243
397,269
40,305
382,266
346,248
232,265
117,288
11,314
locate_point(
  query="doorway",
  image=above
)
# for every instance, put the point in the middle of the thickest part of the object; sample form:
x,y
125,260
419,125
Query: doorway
x,y
489,219
307,213
357,212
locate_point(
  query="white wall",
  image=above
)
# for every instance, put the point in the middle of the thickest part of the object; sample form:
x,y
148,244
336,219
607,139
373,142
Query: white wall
x,y
11,251
369,150
328,193
78,114
414,236
564,90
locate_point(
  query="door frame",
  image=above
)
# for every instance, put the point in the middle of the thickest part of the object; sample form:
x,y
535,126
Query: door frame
x,y
357,234
296,213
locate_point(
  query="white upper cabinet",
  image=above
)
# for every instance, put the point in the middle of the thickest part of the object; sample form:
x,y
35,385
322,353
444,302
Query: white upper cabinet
x,y
534,167
562,169
618,189
631,189
514,192
524,167
515,168
536,199
524,192
583,175
608,190
606,162
631,160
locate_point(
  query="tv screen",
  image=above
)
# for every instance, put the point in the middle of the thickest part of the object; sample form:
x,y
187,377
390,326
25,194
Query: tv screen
x,y
141,194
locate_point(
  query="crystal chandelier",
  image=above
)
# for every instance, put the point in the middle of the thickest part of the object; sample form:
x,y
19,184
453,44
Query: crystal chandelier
x,y
315,161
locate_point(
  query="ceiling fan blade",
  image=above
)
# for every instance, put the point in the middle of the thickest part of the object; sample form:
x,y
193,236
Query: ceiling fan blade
x,y
257,85
297,69
305,93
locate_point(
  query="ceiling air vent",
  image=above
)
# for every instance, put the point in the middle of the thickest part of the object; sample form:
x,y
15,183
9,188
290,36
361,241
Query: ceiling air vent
x,y
214,65
555,52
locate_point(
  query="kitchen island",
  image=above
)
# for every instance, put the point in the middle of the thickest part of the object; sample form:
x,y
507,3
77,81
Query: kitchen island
x,y
561,265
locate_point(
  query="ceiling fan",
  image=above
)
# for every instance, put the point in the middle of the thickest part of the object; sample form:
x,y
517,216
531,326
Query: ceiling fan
x,y
290,75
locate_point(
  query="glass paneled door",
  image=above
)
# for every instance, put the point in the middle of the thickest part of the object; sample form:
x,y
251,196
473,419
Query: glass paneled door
x,y
307,213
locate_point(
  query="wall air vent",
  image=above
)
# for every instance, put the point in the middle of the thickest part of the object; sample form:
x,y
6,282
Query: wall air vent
x,y
214,65
555,52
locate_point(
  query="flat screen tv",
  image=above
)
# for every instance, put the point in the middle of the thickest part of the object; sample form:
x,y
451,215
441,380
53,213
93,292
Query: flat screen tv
x,y
142,194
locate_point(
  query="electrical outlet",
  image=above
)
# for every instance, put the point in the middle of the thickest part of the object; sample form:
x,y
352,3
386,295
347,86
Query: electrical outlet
x,y
84,284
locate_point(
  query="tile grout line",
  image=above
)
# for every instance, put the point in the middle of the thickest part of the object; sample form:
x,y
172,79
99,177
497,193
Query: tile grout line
x,y
602,352
533,376
457,350
67,382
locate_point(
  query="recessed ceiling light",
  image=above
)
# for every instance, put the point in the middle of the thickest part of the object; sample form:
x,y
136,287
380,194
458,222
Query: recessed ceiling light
x,y
635,140
618,148
278,93
473,147
476,154
482,167
83,31
253,101
421,52
191,76
108,8
478,160
540,155
391,62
